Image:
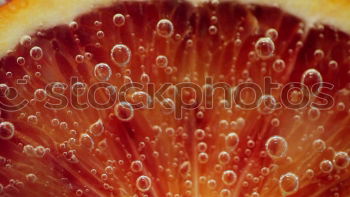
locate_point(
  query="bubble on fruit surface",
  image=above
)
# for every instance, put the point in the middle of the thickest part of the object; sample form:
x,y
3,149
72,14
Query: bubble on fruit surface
x,y
102,72
7,130
319,145
278,65
86,141
121,55
143,183
341,160
264,48
31,178
267,104
199,134
231,141
289,183
78,88
165,28
313,113
203,158
161,61
26,40
326,166
36,53
224,157
276,147
141,99
272,33
312,79
225,193
124,111
40,94
229,177
185,168
118,20
136,166
97,128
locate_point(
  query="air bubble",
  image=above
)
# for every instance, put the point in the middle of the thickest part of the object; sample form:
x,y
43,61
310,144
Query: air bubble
x,y
7,130
40,95
272,33
276,147
161,61
278,65
102,72
165,28
36,53
341,160
121,55
312,79
136,166
326,166
231,141
229,177
97,128
265,48
124,111
143,183
118,20
319,145
289,183
267,104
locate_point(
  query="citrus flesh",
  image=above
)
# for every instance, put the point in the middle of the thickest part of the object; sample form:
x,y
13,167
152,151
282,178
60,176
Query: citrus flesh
x,y
84,150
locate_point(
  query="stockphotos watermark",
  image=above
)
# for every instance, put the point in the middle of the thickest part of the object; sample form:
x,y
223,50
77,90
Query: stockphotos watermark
x,y
184,96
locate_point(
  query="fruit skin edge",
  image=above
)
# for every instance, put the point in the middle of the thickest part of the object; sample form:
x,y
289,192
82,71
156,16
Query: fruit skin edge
x,y
18,17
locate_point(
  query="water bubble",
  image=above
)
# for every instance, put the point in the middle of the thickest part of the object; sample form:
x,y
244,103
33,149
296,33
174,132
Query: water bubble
x,y
97,128
231,141
136,166
229,177
311,78
143,183
265,48
102,72
121,55
124,111
267,104
161,61
326,166
165,28
278,65
118,20
276,147
36,53
341,160
141,99
289,183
